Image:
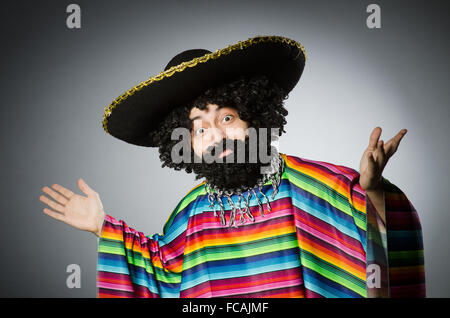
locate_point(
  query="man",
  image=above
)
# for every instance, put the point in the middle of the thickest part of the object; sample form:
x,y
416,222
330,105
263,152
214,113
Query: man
x,y
259,225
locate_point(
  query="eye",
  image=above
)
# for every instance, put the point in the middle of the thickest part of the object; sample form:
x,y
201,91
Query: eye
x,y
199,131
227,116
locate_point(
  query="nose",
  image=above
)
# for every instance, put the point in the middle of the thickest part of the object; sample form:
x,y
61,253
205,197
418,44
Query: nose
x,y
215,135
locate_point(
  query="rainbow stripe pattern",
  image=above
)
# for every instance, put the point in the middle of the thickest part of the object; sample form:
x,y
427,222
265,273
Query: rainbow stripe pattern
x,y
312,244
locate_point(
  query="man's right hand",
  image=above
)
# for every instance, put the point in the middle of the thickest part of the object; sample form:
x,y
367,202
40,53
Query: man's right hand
x,y
84,213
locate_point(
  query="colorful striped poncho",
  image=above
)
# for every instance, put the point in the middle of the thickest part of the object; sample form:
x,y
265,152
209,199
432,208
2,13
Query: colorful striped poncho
x,y
318,241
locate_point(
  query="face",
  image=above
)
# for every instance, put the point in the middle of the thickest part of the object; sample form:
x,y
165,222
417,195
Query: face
x,y
212,125
212,131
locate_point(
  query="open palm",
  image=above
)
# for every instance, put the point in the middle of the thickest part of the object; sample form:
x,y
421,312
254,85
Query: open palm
x,y
375,158
82,212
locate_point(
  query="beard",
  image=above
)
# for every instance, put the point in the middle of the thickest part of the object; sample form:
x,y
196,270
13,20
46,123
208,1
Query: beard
x,y
236,170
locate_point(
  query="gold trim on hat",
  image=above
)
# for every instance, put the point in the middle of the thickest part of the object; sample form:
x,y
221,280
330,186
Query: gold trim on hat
x,y
181,67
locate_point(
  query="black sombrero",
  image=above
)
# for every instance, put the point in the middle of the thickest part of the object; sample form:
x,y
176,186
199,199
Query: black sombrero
x,y
134,115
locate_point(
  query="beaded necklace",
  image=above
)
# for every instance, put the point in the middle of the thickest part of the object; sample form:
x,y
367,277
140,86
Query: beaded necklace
x,y
215,193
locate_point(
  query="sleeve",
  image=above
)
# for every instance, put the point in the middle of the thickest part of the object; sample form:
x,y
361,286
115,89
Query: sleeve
x,y
132,265
394,249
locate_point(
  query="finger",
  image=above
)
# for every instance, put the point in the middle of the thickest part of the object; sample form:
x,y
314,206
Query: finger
x,y
55,215
392,145
59,198
371,164
66,192
84,187
52,204
374,136
381,155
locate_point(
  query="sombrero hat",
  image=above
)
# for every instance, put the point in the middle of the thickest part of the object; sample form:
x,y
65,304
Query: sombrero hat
x,y
135,115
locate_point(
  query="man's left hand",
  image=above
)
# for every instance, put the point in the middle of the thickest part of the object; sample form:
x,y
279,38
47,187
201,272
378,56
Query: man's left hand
x,y
375,158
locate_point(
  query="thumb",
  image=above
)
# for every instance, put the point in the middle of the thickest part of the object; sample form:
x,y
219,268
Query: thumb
x,y
84,187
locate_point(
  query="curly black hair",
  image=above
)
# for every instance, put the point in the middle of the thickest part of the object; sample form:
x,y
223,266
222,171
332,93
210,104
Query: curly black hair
x,y
258,101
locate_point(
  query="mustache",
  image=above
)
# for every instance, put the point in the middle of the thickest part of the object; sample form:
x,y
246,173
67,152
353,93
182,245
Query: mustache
x,y
256,148
217,148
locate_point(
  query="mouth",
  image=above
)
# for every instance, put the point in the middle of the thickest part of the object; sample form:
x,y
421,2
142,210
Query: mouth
x,y
225,153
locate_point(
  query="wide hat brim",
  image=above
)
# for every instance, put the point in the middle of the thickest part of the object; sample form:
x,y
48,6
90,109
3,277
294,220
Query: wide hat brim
x,y
136,114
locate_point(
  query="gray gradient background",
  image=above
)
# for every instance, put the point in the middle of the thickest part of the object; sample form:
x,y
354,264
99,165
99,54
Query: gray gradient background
x,y
56,82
